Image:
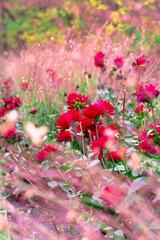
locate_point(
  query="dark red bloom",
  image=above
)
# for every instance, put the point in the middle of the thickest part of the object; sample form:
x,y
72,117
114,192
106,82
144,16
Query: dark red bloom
x,y
25,86
3,110
7,100
112,195
115,155
64,136
99,59
141,110
33,111
76,101
67,119
47,152
140,61
150,142
109,109
147,94
50,71
97,109
8,130
98,145
118,62
107,139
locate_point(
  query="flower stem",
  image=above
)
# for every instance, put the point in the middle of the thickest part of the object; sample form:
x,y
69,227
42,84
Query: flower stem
x,y
124,100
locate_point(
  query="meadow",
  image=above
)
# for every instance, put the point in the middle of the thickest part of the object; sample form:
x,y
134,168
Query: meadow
x,y
80,130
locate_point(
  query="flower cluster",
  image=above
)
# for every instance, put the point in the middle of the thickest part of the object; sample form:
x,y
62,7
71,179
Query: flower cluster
x,y
10,104
78,123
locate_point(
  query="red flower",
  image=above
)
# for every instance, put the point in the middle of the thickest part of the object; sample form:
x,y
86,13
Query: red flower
x,y
109,109
99,131
141,110
112,195
64,136
33,111
140,61
8,130
118,62
8,100
107,138
47,152
3,110
67,119
25,86
76,101
99,59
116,155
147,94
97,109
50,71
98,145
150,142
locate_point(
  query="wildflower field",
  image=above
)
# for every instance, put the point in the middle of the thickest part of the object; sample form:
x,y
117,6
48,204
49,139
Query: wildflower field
x,y
80,120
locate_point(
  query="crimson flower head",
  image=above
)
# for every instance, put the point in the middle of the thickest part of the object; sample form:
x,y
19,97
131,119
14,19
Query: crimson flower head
x,y
3,110
76,101
118,62
47,152
147,94
97,109
8,130
67,119
112,195
115,155
33,111
99,59
140,61
64,136
98,145
141,110
8,100
150,142
25,86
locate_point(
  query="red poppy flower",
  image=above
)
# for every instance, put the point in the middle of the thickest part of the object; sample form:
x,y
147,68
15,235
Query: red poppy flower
x,y
118,62
115,155
25,86
64,136
150,142
112,195
47,152
33,111
67,119
140,61
76,101
147,94
99,59
97,109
